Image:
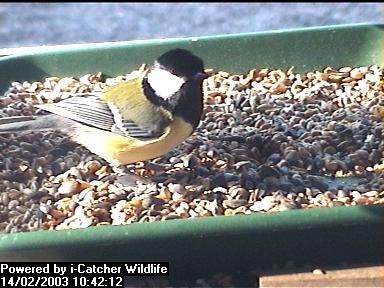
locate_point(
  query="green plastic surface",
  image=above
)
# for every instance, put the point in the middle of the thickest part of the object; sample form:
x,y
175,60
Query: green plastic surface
x,y
196,247
306,49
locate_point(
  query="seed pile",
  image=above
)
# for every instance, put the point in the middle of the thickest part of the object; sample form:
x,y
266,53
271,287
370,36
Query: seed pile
x,y
269,141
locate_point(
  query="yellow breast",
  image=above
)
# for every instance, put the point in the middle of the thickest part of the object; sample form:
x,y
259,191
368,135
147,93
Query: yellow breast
x,y
120,150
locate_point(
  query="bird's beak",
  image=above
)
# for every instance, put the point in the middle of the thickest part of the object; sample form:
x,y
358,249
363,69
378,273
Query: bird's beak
x,y
200,76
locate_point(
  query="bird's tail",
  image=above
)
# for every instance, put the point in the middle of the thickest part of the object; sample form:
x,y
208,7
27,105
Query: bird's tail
x,y
28,123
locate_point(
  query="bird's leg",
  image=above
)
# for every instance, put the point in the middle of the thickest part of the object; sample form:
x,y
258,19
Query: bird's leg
x,y
119,169
128,178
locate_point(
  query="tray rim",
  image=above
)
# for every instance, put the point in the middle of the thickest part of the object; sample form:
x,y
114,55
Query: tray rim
x,y
8,53
314,218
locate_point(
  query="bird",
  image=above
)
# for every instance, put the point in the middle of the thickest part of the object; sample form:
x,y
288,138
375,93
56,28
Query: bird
x,y
135,120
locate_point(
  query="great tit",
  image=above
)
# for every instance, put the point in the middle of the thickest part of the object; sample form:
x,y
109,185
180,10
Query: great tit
x,y
134,120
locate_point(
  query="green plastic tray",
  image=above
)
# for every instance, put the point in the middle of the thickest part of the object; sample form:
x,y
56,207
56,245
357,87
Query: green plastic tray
x,y
197,247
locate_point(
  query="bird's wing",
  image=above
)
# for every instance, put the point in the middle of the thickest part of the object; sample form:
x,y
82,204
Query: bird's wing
x,y
129,104
89,110
92,111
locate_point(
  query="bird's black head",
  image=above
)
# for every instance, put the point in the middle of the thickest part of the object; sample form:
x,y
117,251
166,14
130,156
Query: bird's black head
x,y
181,62
175,82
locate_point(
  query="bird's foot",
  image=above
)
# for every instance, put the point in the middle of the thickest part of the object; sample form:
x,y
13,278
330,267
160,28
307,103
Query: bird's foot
x,y
128,178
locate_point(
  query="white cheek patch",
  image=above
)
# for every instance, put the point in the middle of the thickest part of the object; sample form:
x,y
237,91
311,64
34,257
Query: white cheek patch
x,y
164,83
